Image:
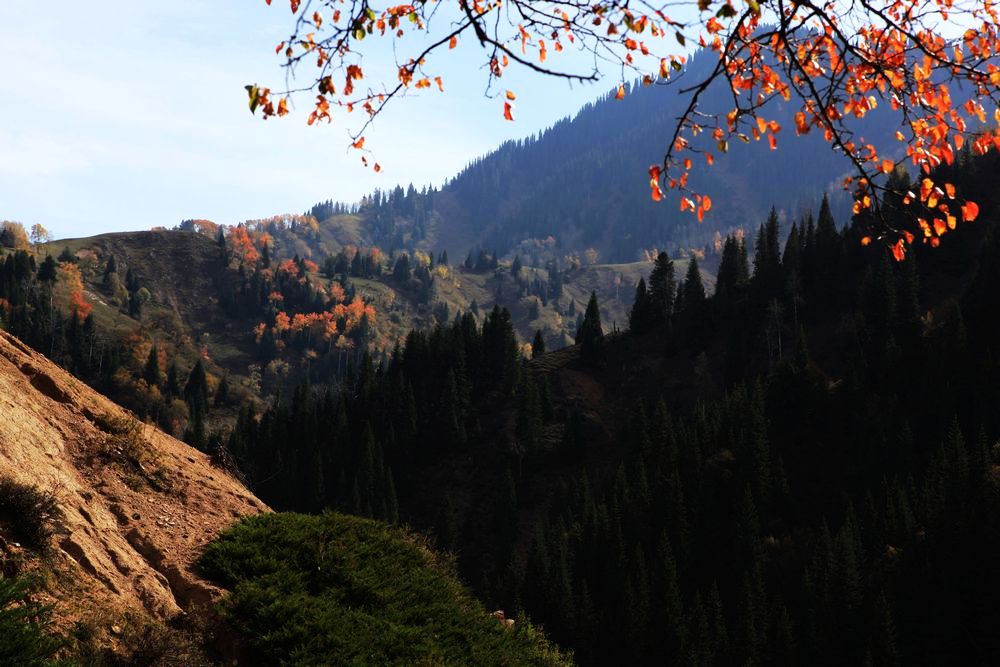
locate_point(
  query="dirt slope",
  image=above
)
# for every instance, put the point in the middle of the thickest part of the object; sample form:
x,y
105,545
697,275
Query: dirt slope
x,y
138,504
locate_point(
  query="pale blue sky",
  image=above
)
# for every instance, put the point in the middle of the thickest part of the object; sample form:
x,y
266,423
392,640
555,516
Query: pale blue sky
x,y
126,114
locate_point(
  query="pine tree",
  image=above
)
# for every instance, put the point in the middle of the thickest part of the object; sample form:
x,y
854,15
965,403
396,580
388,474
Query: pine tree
x,y
694,289
662,288
151,372
642,317
733,271
196,392
47,271
590,337
173,385
538,344
222,393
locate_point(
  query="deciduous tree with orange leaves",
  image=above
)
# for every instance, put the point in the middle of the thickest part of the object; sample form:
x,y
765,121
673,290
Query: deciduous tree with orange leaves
x,y
934,63
67,294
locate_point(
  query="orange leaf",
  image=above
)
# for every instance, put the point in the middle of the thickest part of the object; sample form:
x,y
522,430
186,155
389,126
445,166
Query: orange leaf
x,y
899,250
970,211
887,166
511,96
950,190
359,144
866,240
508,111
621,92
706,203
453,42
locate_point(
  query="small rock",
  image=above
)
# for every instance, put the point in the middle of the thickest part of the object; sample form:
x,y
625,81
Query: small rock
x,y
135,515
116,630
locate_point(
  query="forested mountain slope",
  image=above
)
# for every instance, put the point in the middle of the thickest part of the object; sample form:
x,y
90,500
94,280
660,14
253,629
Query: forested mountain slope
x,y
110,553
182,328
800,468
583,182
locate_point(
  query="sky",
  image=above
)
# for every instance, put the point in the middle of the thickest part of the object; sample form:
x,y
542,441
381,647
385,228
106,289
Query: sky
x,y
123,114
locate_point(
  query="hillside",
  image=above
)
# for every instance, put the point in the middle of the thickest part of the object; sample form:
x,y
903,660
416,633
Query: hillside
x,y
184,277
134,507
141,564
801,468
197,310
583,182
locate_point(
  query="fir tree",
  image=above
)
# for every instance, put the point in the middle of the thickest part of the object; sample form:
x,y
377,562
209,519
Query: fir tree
x,y
151,372
642,316
590,337
662,287
538,344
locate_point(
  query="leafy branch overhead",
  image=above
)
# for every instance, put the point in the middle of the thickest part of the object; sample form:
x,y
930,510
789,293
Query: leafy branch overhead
x,y
932,62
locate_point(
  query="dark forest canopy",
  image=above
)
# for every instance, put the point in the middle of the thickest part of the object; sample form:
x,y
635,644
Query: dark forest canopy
x,y
800,468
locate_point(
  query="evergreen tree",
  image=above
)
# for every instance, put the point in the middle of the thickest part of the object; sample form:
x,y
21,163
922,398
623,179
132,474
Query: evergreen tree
x,y
172,386
151,372
47,270
538,344
662,287
196,392
642,316
694,290
590,337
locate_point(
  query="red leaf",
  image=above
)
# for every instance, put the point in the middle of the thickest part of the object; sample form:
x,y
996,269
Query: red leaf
x,y
970,211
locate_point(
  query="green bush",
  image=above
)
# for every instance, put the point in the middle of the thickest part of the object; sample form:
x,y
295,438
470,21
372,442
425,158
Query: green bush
x,y
28,514
23,624
336,589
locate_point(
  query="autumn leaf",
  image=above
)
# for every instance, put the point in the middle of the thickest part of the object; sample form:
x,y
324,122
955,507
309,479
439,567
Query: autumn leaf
x,y
899,250
970,211
621,92
508,111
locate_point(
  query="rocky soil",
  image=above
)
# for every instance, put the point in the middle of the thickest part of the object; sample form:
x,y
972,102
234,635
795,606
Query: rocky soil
x,y
138,505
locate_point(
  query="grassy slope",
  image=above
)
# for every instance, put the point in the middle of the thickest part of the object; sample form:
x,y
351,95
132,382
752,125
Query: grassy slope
x,y
335,589
183,274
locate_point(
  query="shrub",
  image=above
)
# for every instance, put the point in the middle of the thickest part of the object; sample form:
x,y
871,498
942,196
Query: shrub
x,y
28,514
23,626
335,589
